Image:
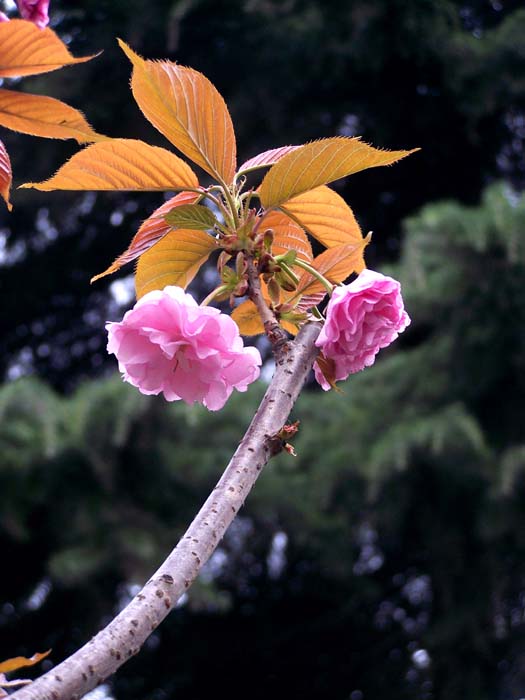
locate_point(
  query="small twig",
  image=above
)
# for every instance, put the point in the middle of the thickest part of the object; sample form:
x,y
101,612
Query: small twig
x,y
126,633
276,334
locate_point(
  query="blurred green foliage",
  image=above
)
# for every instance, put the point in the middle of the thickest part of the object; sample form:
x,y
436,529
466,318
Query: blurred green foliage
x,y
386,560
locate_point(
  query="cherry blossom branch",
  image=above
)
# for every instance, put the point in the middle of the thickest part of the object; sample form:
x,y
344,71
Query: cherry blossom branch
x,y
126,633
276,334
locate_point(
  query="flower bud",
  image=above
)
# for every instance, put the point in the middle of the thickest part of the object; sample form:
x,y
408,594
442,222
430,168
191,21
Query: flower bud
x,y
285,282
274,291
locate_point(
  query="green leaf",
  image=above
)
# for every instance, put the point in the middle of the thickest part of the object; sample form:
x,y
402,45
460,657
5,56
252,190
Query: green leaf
x,y
191,216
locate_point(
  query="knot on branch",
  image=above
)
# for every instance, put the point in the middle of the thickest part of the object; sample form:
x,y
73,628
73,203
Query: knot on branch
x,y
279,442
281,344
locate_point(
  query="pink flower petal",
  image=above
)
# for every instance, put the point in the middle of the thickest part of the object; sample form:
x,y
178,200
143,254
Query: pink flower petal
x,y
361,318
35,11
169,344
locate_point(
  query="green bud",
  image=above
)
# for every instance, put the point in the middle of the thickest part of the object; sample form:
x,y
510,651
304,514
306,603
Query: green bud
x,y
274,291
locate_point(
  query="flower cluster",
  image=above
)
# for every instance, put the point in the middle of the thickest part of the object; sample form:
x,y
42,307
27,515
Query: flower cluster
x,y
361,318
169,344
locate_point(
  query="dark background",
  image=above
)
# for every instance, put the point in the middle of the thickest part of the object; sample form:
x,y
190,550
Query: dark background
x,y
387,560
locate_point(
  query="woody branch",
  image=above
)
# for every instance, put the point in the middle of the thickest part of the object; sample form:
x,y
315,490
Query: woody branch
x,y
124,636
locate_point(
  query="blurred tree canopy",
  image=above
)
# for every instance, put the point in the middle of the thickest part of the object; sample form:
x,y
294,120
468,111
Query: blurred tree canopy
x,y
445,75
387,560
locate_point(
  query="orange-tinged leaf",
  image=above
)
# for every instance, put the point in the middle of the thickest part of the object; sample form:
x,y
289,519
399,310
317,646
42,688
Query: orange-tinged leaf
x,y
188,110
175,259
287,235
6,175
290,327
44,116
266,159
319,163
21,662
27,50
121,164
249,321
247,318
336,264
307,301
150,232
325,215
328,370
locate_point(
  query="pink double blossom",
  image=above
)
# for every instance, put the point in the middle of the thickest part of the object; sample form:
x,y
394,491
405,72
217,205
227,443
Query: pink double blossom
x,y
35,11
168,344
361,318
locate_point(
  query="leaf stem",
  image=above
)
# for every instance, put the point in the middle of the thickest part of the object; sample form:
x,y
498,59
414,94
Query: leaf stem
x,y
318,315
246,199
220,206
214,293
288,271
315,273
231,203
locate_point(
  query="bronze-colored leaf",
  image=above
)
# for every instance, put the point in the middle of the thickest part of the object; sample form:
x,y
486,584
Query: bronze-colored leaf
x,y
27,50
44,116
287,235
175,259
319,163
336,264
308,301
121,164
184,106
150,232
21,662
328,370
247,318
265,159
325,215
249,321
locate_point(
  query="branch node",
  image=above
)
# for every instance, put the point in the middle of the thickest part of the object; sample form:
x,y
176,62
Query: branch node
x,y
277,336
